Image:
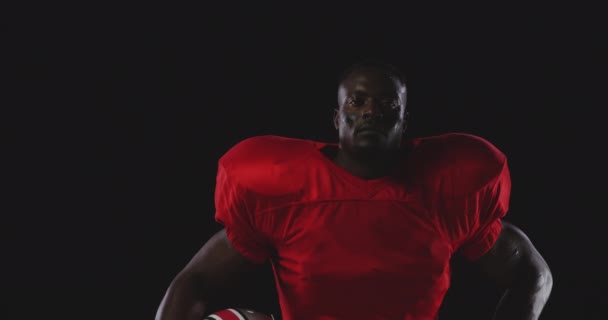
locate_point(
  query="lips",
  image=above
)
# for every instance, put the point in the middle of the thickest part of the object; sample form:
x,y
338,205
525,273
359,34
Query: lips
x,y
369,128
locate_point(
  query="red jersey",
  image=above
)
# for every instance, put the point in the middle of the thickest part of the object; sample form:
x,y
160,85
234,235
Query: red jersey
x,y
343,247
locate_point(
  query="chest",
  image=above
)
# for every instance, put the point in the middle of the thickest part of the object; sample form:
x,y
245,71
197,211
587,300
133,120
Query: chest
x,y
361,239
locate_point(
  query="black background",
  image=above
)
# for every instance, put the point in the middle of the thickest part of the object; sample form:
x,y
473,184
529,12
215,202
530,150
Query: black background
x,y
116,116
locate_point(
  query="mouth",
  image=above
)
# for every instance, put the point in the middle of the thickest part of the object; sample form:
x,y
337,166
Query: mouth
x,y
370,129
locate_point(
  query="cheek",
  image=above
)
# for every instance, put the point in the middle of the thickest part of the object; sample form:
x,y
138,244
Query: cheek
x,y
345,129
349,118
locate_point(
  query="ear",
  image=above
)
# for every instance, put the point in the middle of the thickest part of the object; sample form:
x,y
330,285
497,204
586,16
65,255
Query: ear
x,y
336,119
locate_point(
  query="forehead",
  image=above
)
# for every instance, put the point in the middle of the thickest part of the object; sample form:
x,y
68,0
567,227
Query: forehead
x,y
370,81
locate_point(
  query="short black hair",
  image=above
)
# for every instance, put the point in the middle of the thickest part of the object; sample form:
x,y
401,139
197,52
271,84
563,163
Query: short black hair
x,y
388,68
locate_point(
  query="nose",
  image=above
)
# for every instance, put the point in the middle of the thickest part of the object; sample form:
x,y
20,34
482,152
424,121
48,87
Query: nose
x,y
372,111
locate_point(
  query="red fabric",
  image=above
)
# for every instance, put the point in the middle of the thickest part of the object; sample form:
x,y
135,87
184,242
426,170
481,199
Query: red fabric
x,y
347,248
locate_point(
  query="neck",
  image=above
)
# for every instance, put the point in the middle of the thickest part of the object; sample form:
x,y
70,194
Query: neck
x,y
366,165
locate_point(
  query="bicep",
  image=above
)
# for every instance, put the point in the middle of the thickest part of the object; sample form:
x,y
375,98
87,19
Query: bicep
x,y
217,262
512,255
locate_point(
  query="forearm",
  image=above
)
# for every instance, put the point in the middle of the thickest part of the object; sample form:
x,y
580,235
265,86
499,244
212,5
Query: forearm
x,y
184,300
525,298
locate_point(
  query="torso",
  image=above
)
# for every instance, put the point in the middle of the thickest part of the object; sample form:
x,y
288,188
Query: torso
x,y
350,247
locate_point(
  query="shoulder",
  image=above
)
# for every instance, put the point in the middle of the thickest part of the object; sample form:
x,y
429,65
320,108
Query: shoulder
x,y
462,147
265,150
466,160
267,164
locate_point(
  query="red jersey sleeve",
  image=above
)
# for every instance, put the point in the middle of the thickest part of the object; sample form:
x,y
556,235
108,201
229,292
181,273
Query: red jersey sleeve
x,y
486,207
234,210
473,186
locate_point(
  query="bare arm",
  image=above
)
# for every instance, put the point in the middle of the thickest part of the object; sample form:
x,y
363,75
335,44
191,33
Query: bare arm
x,y
516,267
212,268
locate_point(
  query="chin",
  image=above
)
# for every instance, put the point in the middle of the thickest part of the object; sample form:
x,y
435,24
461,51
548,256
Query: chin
x,y
375,142
369,148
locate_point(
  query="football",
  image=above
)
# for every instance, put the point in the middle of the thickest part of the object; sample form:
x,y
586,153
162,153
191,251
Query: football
x,y
238,314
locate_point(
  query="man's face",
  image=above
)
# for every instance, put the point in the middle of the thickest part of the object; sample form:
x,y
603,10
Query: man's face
x,y
371,112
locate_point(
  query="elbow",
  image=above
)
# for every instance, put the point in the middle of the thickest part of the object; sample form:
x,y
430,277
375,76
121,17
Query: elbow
x,y
544,276
540,289
538,279
544,282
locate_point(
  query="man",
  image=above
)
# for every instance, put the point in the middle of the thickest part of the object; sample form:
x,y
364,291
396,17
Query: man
x,y
364,229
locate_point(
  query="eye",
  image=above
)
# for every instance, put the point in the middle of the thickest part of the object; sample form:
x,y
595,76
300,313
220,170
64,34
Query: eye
x,y
356,101
390,104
